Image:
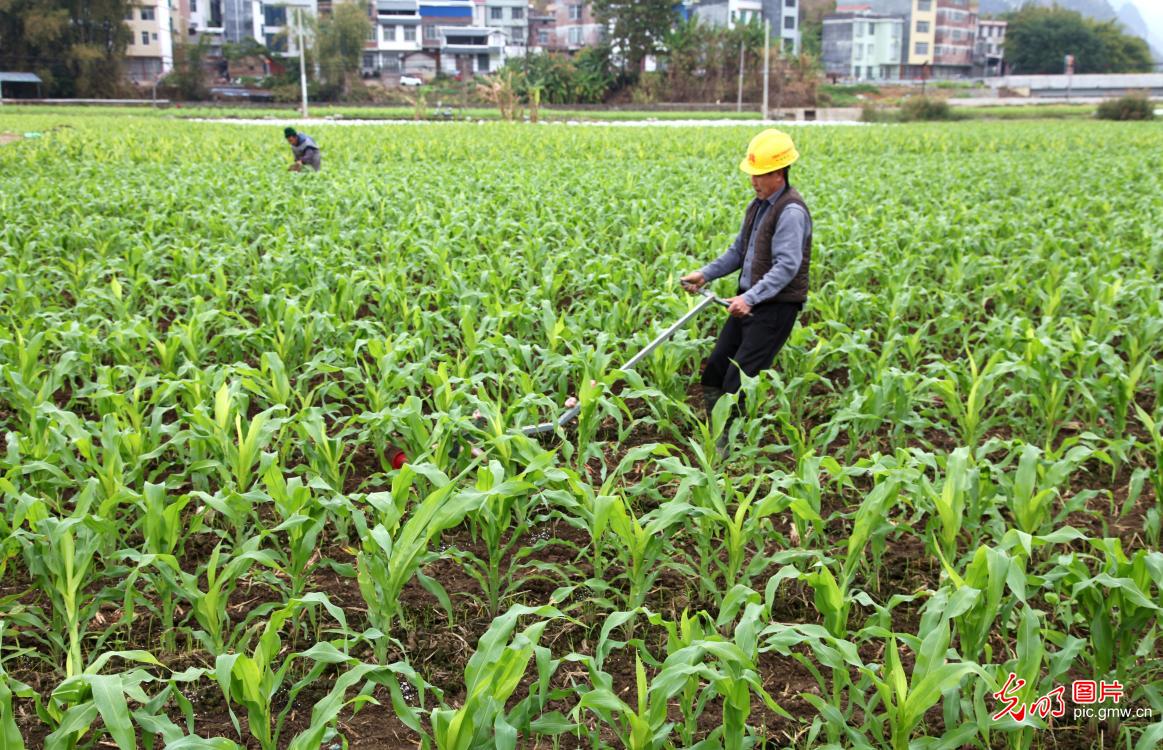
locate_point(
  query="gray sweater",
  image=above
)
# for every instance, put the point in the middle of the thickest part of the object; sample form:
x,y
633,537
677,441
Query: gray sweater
x,y
786,254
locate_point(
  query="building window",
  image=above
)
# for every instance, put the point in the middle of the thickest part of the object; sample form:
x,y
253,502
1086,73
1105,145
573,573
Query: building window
x,y
789,3
922,27
274,15
148,14
409,33
389,33
575,12
922,48
857,52
496,14
193,6
924,6
542,36
789,22
518,14
430,32
129,14
871,29
145,37
575,35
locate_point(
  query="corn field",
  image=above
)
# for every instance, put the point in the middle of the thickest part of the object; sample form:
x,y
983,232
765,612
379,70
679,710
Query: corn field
x,y
954,473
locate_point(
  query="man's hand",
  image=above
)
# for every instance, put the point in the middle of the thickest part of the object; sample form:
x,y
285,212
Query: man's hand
x,y
295,167
693,282
737,307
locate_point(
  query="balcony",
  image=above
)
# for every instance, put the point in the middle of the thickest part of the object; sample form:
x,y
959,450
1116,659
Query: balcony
x,y
470,40
398,8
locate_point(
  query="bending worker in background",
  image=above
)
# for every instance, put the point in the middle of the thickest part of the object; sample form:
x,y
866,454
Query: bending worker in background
x,y
305,150
772,254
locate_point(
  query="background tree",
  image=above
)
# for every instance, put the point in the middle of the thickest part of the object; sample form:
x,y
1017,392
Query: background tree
x,y
1038,39
812,25
339,42
637,27
75,46
188,77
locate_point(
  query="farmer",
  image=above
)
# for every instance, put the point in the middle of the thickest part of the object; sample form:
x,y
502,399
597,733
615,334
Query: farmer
x,y
772,254
304,148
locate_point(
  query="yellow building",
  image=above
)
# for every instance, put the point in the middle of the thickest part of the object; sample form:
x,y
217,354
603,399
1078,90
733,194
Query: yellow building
x,y
150,53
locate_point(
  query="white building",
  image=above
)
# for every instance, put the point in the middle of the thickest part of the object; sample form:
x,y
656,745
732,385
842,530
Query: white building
x,y
511,17
784,16
471,50
785,22
397,35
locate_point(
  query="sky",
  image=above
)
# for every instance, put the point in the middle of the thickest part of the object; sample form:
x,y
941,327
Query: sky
x,y
1152,13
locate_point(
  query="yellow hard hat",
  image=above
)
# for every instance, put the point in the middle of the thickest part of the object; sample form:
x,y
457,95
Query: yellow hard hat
x,y
770,150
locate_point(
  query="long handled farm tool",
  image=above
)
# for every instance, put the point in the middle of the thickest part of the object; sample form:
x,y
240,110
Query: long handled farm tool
x,y
573,408
571,413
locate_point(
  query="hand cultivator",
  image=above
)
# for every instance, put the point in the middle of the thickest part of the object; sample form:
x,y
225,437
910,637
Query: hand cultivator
x,y
573,408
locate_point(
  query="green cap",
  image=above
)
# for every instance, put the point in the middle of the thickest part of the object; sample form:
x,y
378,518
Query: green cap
x,y
288,132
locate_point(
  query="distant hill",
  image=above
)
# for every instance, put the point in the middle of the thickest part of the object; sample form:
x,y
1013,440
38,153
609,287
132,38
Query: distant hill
x,y
1099,10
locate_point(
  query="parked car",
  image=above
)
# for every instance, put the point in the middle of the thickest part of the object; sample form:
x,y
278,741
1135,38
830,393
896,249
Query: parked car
x,y
410,81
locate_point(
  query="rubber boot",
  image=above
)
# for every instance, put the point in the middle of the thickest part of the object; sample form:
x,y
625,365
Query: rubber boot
x,y
711,396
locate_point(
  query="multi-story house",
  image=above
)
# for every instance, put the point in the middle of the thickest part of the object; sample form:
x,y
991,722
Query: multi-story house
x,y
863,46
197,19
471,50
784,16
785,22
576,26
955,38
511,17
942,36
542,29
729,13
150,53
397,34
989,52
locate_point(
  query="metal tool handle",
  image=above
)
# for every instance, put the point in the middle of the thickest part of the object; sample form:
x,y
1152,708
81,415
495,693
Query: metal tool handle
x,y
708,293
569,414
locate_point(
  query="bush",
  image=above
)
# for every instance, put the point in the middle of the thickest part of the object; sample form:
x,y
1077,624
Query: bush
x,y
873,113
917,108
1130,107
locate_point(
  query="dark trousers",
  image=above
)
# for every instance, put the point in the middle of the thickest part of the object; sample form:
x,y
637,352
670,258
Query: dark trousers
x,y
753,342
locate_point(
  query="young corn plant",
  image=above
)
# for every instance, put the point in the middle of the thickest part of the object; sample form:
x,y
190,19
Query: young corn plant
x,y
74,705
302,518
253,681
977,604
1121,607
965,394
832,594
498,524
950,501
904,697
492,674
387,560
209,606
62,555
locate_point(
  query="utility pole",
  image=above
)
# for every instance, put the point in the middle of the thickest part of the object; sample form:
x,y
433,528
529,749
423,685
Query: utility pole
x,y
1069,75
739,96
766,61
302,63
